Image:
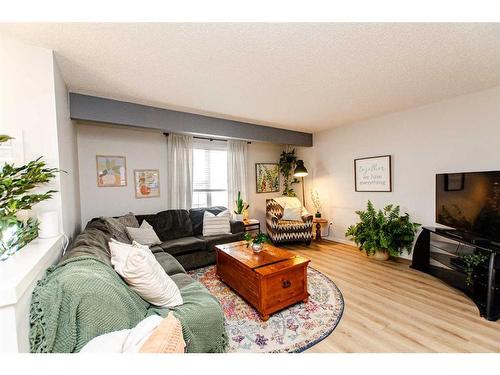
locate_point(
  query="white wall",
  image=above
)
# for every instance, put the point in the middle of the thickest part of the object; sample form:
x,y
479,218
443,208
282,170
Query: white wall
x,y
68,158
459,134
34,106
260,153
144,150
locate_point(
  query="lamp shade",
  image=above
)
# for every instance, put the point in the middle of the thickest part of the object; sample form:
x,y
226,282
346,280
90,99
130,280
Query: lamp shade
x,y
300,170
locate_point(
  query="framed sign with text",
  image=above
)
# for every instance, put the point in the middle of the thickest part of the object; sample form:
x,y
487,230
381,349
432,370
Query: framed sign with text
x,y
373,174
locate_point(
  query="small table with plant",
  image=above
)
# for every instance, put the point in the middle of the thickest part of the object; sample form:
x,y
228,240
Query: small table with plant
x,y
319,222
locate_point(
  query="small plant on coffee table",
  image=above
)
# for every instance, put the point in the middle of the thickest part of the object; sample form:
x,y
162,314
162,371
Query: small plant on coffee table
x,y
258,239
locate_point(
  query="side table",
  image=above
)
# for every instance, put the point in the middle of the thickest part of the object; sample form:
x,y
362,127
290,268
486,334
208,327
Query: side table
x,y
319,221
251,225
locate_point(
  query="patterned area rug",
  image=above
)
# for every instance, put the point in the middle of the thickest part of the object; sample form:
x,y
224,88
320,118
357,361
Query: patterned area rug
x,y
294,329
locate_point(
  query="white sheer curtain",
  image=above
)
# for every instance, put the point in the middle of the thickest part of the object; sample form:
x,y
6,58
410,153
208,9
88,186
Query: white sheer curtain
x,y
236,171
179,171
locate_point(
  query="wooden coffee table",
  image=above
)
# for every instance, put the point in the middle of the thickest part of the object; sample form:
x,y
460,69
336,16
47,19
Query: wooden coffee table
x,y
269,281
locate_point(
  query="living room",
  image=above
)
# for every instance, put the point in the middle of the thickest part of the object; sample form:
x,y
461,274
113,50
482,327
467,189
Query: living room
x,y
281,187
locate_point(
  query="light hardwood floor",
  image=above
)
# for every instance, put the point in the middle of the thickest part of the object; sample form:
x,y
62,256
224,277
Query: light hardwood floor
x,y
390,307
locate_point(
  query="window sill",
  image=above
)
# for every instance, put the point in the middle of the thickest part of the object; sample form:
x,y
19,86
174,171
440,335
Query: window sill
x,y
23,269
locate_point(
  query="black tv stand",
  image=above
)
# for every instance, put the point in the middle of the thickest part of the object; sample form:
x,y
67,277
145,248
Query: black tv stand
x,y
462,236
438,252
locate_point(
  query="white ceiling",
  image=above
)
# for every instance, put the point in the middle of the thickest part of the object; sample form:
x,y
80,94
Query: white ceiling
x,y
305,77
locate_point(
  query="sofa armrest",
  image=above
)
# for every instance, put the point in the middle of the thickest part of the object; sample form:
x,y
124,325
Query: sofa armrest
x,y
272,218
237,226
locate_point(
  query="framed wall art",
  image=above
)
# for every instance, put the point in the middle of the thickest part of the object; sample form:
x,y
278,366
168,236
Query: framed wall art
x,y
373,174
147,183
111,171
267,177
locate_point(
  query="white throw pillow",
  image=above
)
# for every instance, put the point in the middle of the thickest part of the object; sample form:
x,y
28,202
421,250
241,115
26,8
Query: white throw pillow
x,y
291,202
125,340
145,234
292,213
143,274
216,224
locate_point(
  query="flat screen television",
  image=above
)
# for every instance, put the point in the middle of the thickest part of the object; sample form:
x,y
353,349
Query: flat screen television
x,y
470,203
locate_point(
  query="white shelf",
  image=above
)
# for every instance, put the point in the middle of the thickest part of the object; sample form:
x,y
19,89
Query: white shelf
x,y
21,270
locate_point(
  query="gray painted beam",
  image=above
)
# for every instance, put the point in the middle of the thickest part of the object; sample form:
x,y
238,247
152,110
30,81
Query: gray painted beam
x,y
96,109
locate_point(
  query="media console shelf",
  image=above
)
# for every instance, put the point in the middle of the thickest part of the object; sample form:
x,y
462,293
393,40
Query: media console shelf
x,y
439,252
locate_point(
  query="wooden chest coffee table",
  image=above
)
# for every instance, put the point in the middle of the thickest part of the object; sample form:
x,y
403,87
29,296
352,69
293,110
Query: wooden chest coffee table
x,y
270,280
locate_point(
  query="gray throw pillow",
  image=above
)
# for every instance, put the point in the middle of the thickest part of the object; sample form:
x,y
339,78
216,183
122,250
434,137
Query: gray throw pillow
x,y
129,220
118,227
145,234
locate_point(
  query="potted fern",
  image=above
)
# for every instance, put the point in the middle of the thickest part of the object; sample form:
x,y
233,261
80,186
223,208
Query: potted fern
x,y
383,233
240,208
16,185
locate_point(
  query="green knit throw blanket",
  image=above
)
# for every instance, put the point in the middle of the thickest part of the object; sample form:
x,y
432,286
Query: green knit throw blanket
x,y
82,298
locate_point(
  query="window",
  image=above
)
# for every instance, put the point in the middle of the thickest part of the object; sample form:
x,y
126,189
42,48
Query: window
x,y
209,173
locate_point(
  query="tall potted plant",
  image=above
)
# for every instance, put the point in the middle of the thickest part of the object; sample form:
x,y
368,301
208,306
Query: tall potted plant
x,y
383,233
240,208
16,184
287,163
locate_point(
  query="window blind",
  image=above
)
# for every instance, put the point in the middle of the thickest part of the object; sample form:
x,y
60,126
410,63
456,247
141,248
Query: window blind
x,y
209,173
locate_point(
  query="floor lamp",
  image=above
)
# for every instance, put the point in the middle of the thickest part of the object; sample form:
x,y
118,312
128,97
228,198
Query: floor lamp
x,y
301,171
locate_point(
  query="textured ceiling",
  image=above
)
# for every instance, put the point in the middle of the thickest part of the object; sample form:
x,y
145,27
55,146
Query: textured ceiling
x,y
298,76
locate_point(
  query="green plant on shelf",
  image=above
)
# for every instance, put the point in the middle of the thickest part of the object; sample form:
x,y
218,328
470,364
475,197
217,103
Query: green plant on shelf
x,y
16,184
471,262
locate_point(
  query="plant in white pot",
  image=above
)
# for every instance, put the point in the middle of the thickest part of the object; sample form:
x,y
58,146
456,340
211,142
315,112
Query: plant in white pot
x,y
240,208
16,196
257,242
383,233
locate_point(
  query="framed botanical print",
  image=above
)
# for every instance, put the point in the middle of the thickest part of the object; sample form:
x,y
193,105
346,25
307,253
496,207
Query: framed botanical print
x,y
373,174
147,183
267,176
111,171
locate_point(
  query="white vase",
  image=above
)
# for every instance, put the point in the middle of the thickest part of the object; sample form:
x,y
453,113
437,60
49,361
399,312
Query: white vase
x,y
238,217
257,247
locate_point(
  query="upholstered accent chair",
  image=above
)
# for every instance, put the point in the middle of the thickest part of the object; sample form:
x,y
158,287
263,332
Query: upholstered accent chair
x,y
281,231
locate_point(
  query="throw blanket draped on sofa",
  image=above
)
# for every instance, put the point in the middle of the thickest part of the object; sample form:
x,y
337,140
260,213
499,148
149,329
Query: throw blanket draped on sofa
x,y
83,297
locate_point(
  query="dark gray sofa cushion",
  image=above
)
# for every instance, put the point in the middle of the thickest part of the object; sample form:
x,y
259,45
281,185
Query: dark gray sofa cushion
x,y
169,224
169,263
117,226
237,226
211,241
196,259
183,245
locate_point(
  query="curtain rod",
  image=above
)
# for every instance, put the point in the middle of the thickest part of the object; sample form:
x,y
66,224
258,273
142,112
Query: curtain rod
x,y
208,139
